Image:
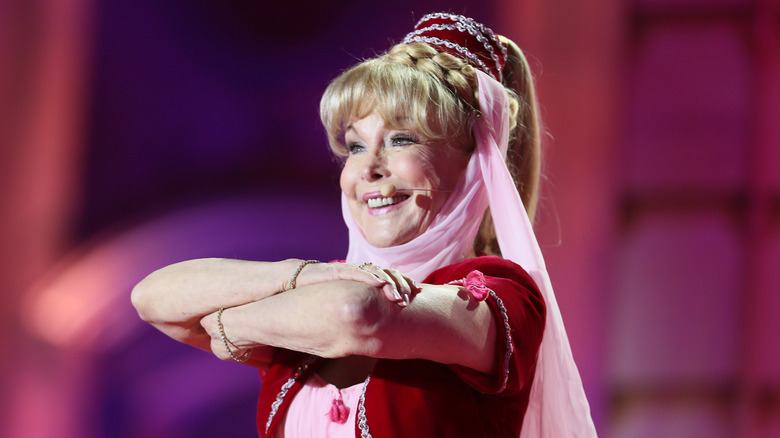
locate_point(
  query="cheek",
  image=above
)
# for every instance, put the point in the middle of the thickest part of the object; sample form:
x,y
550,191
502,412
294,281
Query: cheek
x,y
347,179
418,170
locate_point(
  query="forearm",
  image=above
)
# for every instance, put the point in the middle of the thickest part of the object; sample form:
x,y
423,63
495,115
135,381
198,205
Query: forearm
x,y
338,319
321,319
180,294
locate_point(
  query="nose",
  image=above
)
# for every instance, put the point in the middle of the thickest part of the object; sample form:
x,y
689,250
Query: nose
x,y
375,166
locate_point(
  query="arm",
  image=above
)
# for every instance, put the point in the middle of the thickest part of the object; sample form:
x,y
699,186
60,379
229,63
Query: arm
x,y
175,298
337,319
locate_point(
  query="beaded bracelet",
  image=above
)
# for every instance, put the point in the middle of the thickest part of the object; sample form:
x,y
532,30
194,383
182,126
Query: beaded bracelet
x,y
298,271
227,343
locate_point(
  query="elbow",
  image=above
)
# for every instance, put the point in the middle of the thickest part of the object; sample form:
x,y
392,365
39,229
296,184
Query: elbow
x,y
140,297
148,298
154,298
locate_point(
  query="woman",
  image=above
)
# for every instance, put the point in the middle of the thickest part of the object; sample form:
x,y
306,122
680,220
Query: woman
x,y
420,332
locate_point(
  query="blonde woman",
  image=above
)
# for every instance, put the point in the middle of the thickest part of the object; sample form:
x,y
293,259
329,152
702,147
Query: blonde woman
x,y
441,321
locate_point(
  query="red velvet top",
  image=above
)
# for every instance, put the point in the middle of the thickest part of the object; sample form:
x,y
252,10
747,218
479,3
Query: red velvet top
x,y
416,397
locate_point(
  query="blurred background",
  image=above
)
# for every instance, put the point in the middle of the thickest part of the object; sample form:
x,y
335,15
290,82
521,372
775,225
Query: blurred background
x,y
137,133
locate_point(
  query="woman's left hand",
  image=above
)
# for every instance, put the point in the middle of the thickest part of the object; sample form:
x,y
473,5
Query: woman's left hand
x,y
399,289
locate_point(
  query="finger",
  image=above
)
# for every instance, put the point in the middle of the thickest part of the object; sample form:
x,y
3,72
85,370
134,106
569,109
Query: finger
x,y
366,273
324,272
362,273
414,285
403,284
389,288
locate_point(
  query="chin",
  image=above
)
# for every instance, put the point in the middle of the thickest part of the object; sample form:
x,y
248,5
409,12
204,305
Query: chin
x,y
387,241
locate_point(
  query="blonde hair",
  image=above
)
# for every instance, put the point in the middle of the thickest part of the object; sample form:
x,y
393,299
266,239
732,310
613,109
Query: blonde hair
x,y
439,93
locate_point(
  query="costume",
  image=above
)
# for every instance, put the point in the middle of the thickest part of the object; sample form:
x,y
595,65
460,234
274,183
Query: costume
x,y
424,398
551,402
558,406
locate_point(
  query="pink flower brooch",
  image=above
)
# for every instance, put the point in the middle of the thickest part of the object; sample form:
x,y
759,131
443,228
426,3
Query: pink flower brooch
x,y
474,283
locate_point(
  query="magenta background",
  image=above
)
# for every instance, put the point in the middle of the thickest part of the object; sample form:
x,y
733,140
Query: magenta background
x,y
138,133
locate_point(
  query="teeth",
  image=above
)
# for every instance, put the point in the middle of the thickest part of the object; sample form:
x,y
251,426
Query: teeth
x,y
382,202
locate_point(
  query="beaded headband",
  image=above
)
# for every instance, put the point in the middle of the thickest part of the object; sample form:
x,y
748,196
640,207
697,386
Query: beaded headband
x,y
462,37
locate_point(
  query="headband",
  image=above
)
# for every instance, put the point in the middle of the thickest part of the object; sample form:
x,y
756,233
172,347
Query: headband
x,y
461,37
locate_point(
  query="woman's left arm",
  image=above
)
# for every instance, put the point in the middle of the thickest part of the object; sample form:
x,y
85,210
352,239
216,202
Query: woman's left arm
x,y
341,318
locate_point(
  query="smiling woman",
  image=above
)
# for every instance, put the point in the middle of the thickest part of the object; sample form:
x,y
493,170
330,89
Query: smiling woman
x,y
423,173
420,315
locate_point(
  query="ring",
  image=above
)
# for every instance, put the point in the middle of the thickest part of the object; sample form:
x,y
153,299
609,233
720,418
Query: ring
x,y
364,265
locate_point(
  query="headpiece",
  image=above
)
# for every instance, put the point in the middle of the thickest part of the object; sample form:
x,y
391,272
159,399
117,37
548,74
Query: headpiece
x,y
461,37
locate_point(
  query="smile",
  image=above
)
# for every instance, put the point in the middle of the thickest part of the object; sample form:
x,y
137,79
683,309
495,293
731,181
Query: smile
x,y
384,202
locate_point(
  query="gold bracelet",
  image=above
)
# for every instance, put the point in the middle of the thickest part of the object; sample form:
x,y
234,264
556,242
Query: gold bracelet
x,y
298,271
227,343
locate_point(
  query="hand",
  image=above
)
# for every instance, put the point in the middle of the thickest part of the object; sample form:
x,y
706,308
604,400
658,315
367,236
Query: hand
x,y
325,272
399,288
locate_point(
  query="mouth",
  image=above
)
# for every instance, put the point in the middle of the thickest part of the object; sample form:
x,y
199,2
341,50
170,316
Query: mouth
x,y
382,202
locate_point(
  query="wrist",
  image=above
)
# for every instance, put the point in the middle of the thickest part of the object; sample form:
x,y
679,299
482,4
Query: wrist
x,y
241,354
284,271
293,281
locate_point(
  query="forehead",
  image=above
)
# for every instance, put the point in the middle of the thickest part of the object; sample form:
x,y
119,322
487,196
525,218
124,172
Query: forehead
x,y
376,120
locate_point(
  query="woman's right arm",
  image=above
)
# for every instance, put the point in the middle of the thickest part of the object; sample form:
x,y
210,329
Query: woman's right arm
x,y
175,298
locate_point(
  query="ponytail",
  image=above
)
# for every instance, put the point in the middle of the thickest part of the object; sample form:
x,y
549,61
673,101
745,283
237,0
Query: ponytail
x,y
524,151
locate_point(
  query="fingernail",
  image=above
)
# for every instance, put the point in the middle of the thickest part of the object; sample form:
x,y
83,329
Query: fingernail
x,y
396,294
407,301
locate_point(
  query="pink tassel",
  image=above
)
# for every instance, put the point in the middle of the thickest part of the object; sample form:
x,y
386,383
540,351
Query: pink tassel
x,y
338,411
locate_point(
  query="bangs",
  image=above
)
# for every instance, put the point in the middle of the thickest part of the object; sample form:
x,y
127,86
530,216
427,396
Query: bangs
x,y
399,94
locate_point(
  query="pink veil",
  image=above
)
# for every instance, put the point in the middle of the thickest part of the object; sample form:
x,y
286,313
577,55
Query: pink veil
x,y
557,406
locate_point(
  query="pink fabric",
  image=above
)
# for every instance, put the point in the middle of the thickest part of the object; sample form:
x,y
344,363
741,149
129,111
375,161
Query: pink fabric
x,y
310,412
557,406
476,285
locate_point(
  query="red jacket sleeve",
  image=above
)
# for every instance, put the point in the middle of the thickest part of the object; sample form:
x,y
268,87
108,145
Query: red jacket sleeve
x,y
519,313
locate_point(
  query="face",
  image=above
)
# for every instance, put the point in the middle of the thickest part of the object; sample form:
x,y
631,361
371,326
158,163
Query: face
x,y
424,174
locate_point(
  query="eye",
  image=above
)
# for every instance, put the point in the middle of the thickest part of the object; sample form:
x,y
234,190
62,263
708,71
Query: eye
x,y
403,140
354,148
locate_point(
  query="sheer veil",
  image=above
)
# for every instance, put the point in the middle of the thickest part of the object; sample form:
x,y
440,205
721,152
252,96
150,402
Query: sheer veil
x,y
557,406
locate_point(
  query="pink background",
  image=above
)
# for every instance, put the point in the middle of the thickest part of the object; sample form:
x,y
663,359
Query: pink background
x,y
136,133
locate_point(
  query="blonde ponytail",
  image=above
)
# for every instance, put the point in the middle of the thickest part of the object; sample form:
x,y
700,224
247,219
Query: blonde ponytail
x,y
524,152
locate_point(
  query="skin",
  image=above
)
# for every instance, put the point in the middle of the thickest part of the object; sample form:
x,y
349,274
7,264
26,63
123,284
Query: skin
x,y
339,311
379,155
